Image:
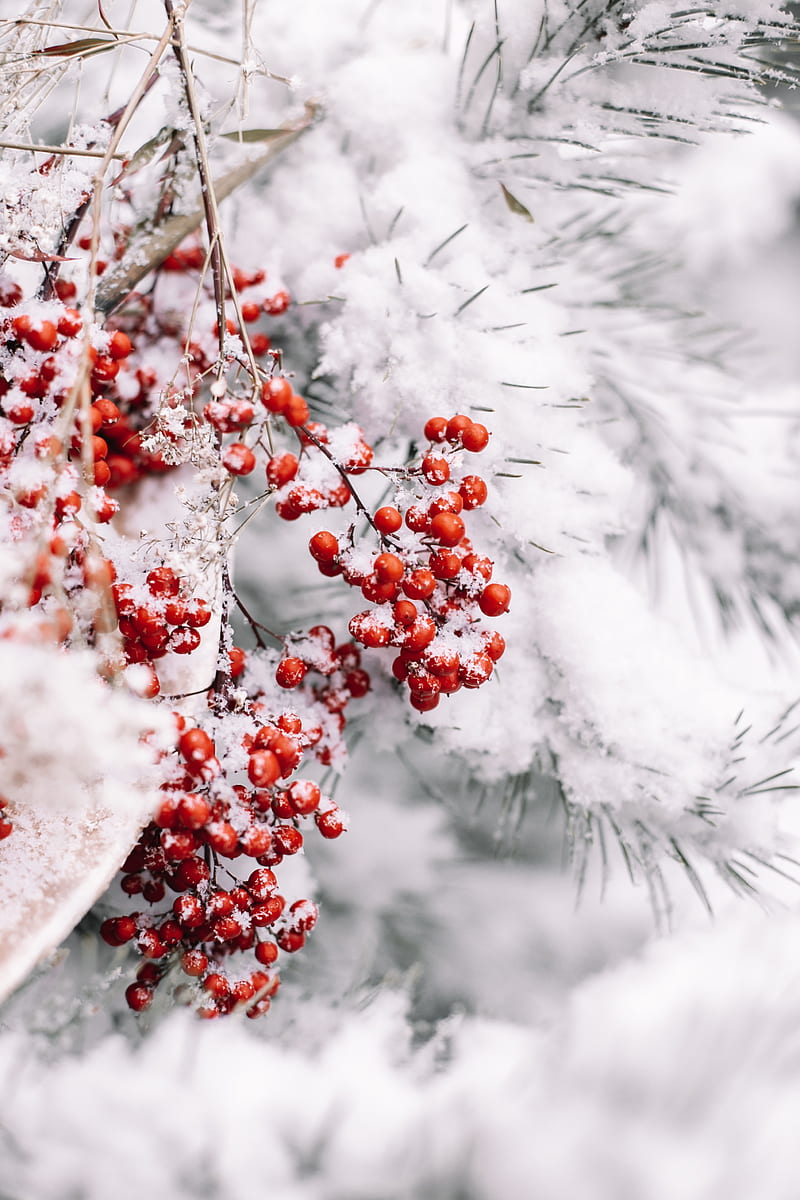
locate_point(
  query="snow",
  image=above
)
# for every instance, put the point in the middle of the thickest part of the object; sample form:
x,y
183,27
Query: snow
x,y
454,1026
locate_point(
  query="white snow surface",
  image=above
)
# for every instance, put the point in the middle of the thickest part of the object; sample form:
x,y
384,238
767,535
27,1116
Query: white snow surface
x,y
455,1028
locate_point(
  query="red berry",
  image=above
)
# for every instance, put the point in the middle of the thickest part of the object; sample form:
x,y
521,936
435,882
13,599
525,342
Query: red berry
x,y
197,613
217,985
255,841
357,683
219,904
494,645
119,345
193,811
331,824
389,568
138,997
477,564
444,564
163,582
476,670
178,844
447,502
40,335
420,634
419,585
387,519
223,838
10,293
296,411
455,426
494,599
182,640
436,429
175,612
442,662
447,528
303,915
196,746
281,469
290,941
238,459
290,672
70,322
475,437
268,912
287,839
417,519
436,470
190,873
194,962
369,631
276,394
277,304
324,546
404,612
266,953
304,797
473,491
20,413
263,768
189,911
376,592
105,370
151,944
238,660
107,411
262,883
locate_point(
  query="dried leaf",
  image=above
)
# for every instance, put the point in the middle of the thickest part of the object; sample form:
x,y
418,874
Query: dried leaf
x,y
515,205
254,135
38,256
79,46
142,156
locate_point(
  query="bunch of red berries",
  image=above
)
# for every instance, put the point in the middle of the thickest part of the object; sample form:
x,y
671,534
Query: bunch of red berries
x,y
340,666
229,794
429,587
166,619
81,410
42,353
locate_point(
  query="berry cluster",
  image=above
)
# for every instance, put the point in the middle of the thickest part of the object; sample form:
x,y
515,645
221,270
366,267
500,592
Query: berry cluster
x,y
43,353
340,666
168,620
428,586
229,795
84,409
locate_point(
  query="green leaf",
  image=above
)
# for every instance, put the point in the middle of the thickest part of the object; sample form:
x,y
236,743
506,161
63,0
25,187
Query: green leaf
x,y
254,135
515,205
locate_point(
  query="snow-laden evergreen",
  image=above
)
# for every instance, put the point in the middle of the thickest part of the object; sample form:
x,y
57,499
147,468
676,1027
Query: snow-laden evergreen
x,y
573,223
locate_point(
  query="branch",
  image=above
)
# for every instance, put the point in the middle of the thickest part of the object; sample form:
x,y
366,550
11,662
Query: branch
x,y
149,250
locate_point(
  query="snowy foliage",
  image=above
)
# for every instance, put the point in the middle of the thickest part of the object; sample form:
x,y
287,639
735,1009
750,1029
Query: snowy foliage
x,y
539,215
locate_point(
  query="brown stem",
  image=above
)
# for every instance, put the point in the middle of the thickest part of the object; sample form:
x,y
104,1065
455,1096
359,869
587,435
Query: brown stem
x,y
359,503
207,194
256,626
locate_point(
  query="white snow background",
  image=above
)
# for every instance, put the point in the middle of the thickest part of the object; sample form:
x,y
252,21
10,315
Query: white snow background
x,y
460,1027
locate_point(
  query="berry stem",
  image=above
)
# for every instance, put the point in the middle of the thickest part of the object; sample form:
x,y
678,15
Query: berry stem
x,y
359,503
